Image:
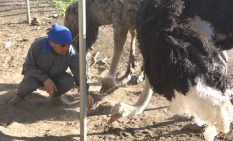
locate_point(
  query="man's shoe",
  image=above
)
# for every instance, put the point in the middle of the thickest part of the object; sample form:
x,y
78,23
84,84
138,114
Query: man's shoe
x,y
57,101
15,100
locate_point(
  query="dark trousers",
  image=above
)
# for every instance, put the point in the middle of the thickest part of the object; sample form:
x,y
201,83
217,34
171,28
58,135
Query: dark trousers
x,y
64,83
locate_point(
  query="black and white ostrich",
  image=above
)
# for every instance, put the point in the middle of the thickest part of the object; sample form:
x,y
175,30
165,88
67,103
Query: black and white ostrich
x,y
181,65
122,15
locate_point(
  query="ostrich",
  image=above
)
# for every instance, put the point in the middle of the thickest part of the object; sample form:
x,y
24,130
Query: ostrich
x,y
181,65
122,15
215,24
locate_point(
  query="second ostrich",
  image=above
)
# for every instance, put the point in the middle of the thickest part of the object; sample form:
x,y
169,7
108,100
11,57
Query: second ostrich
x,y
122,15
181,65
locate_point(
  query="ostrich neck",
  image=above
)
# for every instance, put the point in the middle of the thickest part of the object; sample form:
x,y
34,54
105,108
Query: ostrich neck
x,y
144,99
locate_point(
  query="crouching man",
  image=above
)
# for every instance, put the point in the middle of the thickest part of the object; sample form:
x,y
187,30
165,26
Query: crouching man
x,y
46,63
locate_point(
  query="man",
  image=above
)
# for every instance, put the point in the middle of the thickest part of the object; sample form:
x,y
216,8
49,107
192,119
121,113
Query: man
x,y
46,63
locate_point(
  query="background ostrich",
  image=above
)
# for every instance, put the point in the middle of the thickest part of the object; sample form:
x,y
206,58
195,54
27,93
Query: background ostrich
x,y
214,18
179,64
122,15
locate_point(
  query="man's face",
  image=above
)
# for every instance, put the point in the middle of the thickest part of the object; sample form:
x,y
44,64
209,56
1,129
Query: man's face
x,y
59,49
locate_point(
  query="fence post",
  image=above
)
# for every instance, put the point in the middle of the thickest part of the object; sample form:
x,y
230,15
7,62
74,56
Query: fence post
x,y
82,68
28,12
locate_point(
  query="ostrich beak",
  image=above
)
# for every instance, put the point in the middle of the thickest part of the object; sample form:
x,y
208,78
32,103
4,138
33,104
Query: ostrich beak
x,y
113,118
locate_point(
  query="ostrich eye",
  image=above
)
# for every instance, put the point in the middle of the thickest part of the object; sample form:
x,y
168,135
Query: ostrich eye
x,y
172,7
175,9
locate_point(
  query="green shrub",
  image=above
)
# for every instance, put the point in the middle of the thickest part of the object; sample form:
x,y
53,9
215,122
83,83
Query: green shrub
x,y
62,4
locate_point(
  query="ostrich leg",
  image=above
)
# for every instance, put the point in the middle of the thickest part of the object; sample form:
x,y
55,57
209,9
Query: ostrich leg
x,y
124,110
109,83
131,65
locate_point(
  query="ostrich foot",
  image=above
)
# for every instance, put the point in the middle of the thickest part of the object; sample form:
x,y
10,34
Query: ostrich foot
x,y
109,84
127,77
141,77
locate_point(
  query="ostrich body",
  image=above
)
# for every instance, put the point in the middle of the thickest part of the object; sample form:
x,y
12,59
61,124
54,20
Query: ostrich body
x,y
122,15
181,65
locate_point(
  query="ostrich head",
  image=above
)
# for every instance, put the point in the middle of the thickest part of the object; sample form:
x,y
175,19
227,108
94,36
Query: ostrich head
x,y
121,109
71,21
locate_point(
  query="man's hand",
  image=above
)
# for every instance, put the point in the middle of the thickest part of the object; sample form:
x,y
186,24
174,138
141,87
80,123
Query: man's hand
x,y
49,86
89,102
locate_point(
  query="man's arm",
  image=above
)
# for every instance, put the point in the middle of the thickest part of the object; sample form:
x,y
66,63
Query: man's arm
x,y
30,66
74,65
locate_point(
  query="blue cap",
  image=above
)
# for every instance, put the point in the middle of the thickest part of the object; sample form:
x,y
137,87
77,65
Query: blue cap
x,y
59,34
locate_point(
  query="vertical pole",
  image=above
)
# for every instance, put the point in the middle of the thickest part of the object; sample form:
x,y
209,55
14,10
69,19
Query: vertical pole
x,y
28,12
82,68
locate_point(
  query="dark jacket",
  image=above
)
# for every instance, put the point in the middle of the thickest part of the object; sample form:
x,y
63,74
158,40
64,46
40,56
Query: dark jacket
x,y
42,63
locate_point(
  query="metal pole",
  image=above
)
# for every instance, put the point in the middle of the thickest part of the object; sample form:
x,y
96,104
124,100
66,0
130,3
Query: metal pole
x,y
28,12
82,68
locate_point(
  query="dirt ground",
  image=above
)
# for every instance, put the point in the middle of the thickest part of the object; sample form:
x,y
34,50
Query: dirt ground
x,y
37,120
